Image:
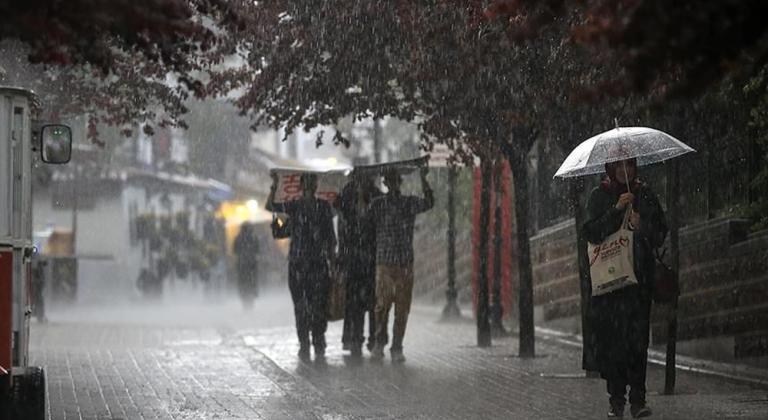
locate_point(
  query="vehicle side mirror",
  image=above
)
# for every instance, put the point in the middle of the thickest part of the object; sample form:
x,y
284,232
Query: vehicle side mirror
x,y
56,142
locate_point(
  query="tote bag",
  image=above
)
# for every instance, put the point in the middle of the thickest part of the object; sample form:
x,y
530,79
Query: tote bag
x,y
612,262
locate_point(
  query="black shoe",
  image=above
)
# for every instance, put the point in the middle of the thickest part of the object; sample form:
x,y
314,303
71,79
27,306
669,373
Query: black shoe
x,y
397,356
356,351
616,412
639,411
377,353
320,351
304,354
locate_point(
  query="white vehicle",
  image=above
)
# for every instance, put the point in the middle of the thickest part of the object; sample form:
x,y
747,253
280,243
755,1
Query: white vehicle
x,y
22,387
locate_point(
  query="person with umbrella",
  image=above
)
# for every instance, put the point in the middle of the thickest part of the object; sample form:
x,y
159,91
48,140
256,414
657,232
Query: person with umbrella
x,y
620,317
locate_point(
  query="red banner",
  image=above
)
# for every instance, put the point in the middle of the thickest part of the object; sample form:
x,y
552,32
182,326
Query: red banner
x,y
508,251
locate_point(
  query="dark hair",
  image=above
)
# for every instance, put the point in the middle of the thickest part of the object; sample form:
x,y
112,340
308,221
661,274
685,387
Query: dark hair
x,y
612,167
247,228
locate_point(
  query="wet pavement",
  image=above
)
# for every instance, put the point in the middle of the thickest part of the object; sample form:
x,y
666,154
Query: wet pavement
x,y
214,361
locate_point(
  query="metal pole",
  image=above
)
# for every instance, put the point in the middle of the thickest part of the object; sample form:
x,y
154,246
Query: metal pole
x,y
451,310
376,140
674,239
75,205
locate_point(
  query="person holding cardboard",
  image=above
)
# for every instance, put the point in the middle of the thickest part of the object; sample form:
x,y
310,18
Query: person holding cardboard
x,y
394,215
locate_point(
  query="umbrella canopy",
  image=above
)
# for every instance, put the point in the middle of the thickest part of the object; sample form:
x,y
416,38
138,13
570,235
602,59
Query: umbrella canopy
x,y
647,145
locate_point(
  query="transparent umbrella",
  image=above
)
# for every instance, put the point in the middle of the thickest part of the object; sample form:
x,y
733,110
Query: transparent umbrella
x,y
647,145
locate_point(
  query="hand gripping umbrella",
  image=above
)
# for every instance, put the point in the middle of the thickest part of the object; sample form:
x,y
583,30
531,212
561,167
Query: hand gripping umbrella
x,y
647,145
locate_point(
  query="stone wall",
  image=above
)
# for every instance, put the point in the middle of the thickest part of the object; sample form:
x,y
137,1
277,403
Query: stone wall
x,y
723,279
555,272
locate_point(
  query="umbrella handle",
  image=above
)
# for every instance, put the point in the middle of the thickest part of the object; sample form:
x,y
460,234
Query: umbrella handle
x,y
625,221
626,176
629,207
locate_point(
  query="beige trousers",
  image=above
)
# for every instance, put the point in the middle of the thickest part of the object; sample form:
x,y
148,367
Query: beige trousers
x,y
394,286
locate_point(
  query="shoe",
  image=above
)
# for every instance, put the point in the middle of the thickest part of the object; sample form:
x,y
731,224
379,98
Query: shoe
x,y
304,354
616,412
356,351
377,353
397,356
320,351
640,411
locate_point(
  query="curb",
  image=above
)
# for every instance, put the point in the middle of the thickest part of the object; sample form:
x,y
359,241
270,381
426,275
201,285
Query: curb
x,y
744,374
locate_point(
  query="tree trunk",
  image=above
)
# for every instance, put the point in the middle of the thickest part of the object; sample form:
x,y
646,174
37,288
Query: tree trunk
x,y
525,288
451,311
483,324
497,310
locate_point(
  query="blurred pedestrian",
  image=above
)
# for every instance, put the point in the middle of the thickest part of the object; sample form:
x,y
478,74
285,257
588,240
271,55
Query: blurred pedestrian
x,y
246,249
38,288
357,252
394,215
621,319
312,248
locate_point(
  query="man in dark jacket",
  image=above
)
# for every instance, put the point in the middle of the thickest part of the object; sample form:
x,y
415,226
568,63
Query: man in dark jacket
x,y
621,319
312,247
357,249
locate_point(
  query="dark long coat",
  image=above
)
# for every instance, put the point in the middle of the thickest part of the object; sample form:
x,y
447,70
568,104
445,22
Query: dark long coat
x,y
357,247
620,320
246,249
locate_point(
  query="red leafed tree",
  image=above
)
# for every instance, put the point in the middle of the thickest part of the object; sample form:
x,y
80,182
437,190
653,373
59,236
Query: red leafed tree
x,y
120,61
683,46
443,63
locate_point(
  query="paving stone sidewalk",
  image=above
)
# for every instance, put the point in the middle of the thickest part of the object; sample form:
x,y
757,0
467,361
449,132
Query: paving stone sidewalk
x,y
112,370
447,377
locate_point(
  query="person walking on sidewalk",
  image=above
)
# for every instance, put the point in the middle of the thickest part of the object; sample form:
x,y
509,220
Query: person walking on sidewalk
x,y
357,254
621,319
394,215
246,249
312,247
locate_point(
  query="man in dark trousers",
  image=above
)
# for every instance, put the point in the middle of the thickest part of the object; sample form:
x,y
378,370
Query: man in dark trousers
x,y
312,246
357,249
394,215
